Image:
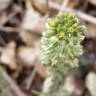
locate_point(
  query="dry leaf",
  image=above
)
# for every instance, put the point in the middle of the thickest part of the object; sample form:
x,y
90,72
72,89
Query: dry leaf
x,y
8,55
28,56
41,70
33,23
91,83
4,4
92,2
29,38
31,18
91,30
47,85
41,5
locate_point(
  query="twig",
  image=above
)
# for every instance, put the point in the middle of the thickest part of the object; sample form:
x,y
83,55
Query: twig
x,y
38,68
31,78
65,3
37,93
12,29
80,14
12,85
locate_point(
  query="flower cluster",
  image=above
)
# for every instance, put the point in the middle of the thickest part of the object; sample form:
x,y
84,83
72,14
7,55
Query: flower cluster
x,y
61,40
61,47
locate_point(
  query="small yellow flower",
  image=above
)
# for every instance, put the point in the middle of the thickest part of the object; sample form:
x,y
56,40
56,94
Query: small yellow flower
x,y
71,29
61,35
75,25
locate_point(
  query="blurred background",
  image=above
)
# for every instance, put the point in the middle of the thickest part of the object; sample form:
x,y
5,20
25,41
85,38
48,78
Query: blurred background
x,y
21,25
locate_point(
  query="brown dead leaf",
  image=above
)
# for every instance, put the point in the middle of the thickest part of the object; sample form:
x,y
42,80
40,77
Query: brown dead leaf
x,y
33,22
41,70
31,18
92,2
4,4
28,56
91,30
8,55
40,5
91,83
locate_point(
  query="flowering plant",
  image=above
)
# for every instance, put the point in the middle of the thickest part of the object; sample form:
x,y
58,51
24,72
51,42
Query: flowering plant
x,y
61,46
